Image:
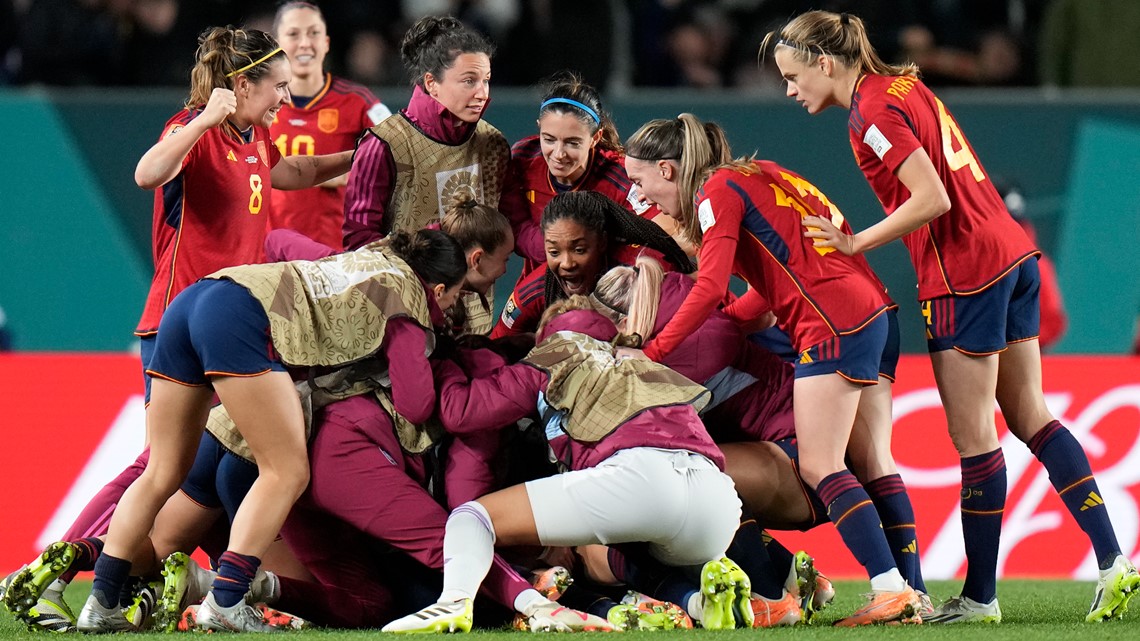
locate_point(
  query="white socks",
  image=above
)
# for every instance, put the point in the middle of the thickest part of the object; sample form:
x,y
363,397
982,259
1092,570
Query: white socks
x,y
889,581
468,550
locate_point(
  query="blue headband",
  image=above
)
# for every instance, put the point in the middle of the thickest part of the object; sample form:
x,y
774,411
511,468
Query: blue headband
x,y
593,114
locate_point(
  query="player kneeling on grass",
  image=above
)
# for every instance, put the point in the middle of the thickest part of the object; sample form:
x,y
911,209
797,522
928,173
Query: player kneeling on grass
x,y
623,430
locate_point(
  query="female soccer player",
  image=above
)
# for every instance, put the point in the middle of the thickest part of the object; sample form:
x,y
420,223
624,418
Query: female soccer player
x,y
978,284
212,171
233,333
584,233
744,215
407,167
622,429
324,114
577,149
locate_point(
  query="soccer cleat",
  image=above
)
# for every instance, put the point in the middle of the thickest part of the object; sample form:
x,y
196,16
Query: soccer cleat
x,y
241,617
771,614
185,583
51,612
7,581
802,581
189,619
1115,588
455,616
824,592
552,582
280,620
962,609
96,619
25,588
726,595
925,607
551,617
265,587
885,607
640,612
142,612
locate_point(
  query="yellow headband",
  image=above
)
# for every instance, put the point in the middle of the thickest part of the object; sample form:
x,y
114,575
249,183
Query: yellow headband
x,y
254,63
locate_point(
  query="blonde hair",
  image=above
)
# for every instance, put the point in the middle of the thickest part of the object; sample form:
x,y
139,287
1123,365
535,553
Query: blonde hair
x,y
577,301
224,53
632,292
474,224
841,36
698,147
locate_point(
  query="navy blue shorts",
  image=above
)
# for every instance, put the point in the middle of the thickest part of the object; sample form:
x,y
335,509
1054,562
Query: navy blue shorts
x,y
861,357
218,478
1007,311
213,328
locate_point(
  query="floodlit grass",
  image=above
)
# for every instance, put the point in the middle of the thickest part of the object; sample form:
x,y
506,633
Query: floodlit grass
x,y
1036,610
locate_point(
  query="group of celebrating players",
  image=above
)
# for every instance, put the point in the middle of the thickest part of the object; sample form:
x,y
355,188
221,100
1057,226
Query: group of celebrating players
x,y
338,420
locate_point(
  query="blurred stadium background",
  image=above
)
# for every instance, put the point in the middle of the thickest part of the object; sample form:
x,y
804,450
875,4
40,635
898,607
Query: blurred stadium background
x,y
1048,92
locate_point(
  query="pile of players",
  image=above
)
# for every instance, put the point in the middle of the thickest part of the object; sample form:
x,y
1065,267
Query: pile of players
x,y
335,417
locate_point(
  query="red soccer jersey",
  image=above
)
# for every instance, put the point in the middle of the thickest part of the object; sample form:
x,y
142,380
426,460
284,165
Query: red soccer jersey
x,y
974,243
329,122
212,214
530,188
751,221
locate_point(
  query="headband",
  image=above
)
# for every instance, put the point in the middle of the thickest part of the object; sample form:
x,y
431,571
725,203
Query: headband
x,y
254,63
593,114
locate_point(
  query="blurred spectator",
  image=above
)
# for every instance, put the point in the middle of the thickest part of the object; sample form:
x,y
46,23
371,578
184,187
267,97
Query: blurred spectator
x,y
158,34
7,40
71,42
1054,320
555,35
969,42
372,60
5,333
1090,44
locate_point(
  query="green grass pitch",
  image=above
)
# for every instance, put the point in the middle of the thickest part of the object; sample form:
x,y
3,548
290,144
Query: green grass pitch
x,y
1032,610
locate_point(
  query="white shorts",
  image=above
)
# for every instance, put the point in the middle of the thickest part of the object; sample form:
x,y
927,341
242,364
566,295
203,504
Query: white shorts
x,y
678,502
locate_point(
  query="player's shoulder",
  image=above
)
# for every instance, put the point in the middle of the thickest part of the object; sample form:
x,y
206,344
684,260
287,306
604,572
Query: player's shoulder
x,y
527,149
350,89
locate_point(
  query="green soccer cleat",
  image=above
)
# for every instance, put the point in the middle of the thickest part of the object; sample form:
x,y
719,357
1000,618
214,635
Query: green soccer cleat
x,y
185,583
726,594
1116,587
24,590
640,612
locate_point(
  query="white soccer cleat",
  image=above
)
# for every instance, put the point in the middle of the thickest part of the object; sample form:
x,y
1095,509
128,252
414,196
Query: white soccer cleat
x,y
454,616
241,617
962,609
96,619
551,617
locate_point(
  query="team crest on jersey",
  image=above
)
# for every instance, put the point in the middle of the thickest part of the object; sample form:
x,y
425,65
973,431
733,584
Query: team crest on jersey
x,y
262,153
510,312
327,120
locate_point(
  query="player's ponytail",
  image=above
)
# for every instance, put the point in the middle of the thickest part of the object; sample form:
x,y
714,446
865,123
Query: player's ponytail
x,y
223,54
841,36
474,225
